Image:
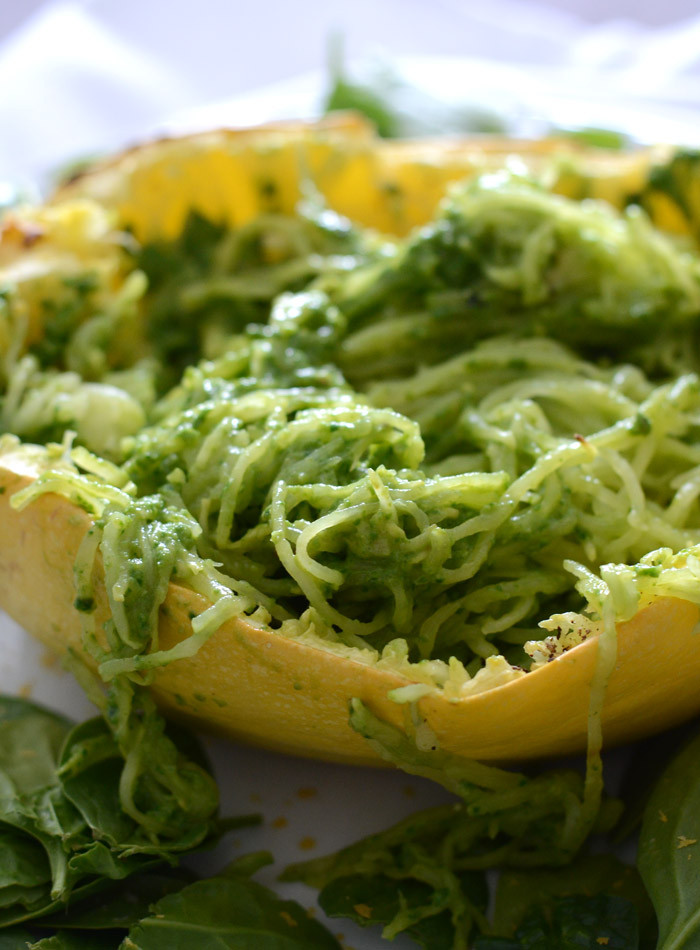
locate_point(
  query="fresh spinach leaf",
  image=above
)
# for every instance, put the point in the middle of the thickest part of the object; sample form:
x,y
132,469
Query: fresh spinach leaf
x,y
399,109
46,904
498,943
91,768
649,758
30,742
71,849
55,816
79,941
63,834
31,801
595,137
124,905
23,861
24,896
168,910
90,772
578,922
574,923
669,850
407,906
97,858
345,94
15,939
19,814
519,891
228,912
25,875
504,818
16,707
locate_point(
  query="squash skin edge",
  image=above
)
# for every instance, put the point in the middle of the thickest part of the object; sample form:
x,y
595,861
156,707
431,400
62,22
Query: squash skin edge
x,y
258,686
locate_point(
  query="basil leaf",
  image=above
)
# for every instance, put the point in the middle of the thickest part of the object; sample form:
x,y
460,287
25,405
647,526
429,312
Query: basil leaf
x,y
669,850
228,912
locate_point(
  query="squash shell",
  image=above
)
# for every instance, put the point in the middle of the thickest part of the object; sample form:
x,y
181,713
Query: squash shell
x,y
252,683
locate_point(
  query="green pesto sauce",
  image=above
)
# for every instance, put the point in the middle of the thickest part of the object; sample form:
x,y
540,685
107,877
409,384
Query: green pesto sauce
x,y
389,440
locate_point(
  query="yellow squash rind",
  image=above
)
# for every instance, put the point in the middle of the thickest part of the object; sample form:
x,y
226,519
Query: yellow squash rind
x,y
259,686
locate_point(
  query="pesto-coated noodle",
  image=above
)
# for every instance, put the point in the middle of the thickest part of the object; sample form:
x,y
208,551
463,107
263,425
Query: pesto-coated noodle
x,y
419,449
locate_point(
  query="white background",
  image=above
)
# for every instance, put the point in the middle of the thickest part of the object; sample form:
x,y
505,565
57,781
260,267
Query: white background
x,y
79,77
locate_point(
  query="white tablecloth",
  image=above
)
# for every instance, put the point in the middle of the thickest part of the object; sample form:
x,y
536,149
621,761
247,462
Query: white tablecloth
x,y
81,77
